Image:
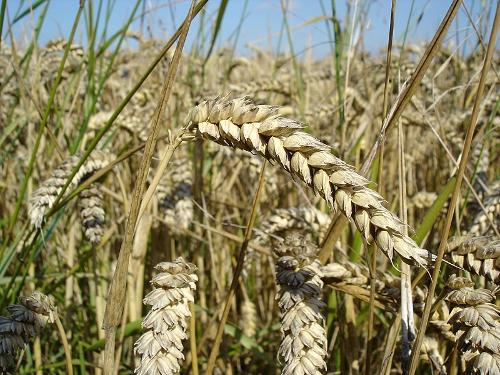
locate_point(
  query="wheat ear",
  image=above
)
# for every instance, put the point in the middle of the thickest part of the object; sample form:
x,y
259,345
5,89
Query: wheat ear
x,y
161,346
45,196
25,322
298,276
92,213
239,123
476,322
478,255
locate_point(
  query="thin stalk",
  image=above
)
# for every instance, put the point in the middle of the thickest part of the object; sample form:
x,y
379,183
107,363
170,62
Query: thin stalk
x,y
456,191
192,340
236,275
373,263
296,68
65,344
408,91
338,55
2,16
117,291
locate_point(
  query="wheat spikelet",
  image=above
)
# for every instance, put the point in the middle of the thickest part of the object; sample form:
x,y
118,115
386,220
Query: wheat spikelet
x,y
476,323
240,124
479,255
92,213
45,196
161,346
25,322
298,276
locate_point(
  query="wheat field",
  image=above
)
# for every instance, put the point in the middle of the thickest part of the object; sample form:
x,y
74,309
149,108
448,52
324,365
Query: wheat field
x,y
171,206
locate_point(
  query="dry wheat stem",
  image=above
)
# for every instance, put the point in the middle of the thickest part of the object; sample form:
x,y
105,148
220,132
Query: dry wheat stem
x,y
239,123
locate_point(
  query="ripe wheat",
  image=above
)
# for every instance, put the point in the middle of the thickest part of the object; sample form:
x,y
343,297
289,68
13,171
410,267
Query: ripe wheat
x,y
239,123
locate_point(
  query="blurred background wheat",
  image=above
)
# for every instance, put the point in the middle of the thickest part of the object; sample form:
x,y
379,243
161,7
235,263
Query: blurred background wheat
x,y
187,187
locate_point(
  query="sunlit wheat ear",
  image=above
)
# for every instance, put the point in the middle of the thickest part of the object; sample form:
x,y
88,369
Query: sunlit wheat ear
x,y
45,196
161,346
478,255
92,213
25,322
476,322
298,276
241,124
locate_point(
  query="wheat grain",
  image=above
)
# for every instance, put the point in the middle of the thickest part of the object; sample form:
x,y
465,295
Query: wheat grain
x,y
240,124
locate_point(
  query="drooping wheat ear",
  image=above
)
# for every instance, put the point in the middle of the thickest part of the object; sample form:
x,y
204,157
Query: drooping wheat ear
x,y
161,346
479,255
281,220
481,225
25,322
175,194
92,213
298,276
241,124
45,196
476,323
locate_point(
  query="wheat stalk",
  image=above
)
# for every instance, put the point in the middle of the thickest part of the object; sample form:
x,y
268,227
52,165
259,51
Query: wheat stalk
x,y
239,123
161,346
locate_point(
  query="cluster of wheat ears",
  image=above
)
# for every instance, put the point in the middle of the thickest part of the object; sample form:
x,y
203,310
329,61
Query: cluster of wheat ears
x,y
242,188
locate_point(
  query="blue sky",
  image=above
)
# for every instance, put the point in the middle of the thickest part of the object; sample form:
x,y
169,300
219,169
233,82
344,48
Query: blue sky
x,y
263,21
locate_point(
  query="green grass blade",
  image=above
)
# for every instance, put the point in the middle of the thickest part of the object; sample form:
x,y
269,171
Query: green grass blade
x,y
218,23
